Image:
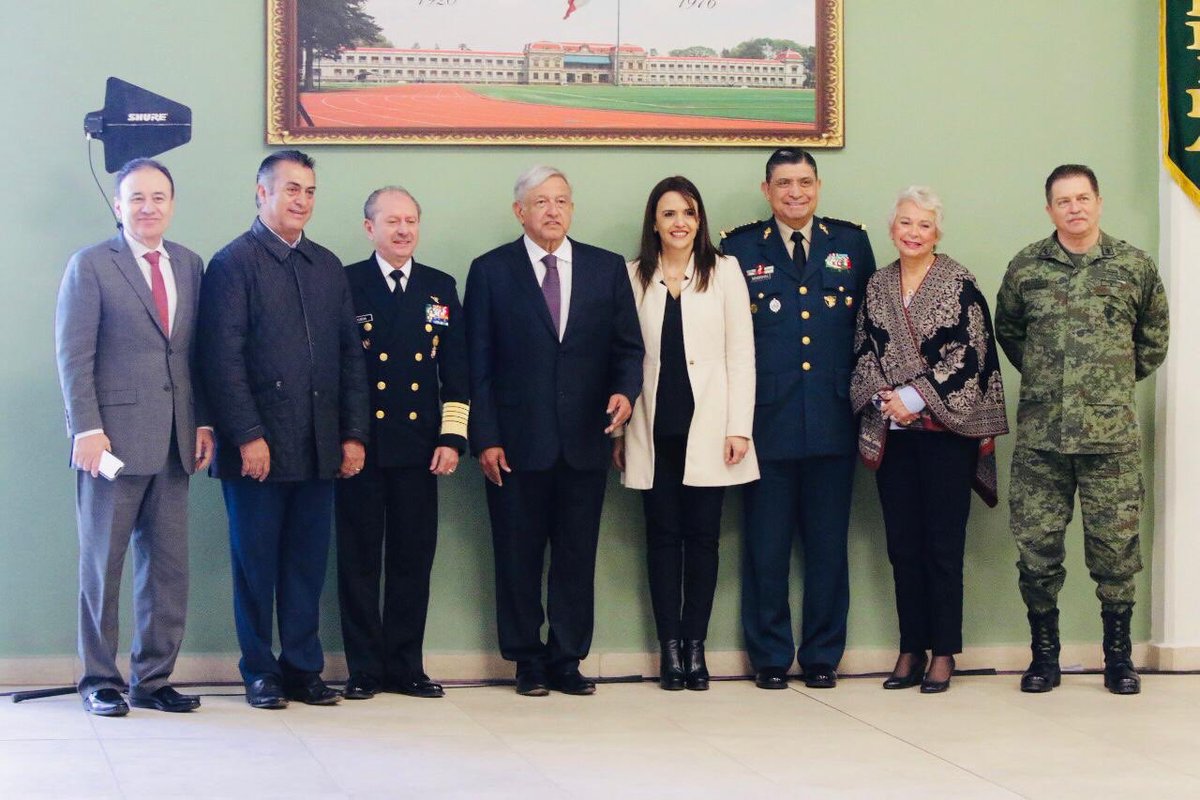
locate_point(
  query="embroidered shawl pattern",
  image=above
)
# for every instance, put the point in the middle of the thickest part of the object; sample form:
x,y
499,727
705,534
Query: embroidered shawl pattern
x,y
943,346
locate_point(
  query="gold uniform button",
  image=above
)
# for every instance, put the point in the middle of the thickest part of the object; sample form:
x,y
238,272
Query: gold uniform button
x,y
383,356
428,328
805,315
381,386
379,414
418,356
416,386
412,415
805,340
368,327
806,366
803,290
437,340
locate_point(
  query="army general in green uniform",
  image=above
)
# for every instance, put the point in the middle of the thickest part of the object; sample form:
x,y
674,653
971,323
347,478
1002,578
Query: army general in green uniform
x,y
1082,316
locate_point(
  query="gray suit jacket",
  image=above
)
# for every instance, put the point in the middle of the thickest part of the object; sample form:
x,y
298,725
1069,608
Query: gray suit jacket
x,y
118,369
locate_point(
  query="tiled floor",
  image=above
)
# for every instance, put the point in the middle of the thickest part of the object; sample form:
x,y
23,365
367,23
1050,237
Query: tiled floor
x,y
983,739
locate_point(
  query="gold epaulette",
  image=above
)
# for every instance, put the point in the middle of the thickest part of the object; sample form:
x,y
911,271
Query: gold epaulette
x,y
747,226
454,419
844,222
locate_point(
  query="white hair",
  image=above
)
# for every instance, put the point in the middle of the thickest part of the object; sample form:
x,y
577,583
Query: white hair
x,y
535,176
922,197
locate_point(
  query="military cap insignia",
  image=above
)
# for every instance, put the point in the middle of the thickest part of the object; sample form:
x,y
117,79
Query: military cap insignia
x,y
830,300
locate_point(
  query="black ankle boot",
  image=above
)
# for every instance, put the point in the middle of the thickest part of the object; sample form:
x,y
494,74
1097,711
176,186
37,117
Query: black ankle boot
x,y
1119,677
670,665
694,668
1043,673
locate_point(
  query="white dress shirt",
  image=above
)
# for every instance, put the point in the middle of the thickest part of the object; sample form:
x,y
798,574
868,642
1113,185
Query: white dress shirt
x,y
563,254
386,269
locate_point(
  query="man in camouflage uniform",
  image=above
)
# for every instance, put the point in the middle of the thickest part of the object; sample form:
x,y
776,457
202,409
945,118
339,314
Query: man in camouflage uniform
x,y
1082,316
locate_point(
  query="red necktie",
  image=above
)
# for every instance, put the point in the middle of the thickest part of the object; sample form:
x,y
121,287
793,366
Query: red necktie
x,y
158,288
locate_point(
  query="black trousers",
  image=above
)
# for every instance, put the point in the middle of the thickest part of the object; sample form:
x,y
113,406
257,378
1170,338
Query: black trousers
x,y
559,507
386,522
683,528
925,490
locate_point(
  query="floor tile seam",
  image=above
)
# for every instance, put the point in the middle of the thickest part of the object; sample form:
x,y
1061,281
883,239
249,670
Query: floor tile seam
x,y
913,745
111,769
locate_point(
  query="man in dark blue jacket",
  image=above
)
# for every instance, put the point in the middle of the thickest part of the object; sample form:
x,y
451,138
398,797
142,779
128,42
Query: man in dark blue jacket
x,y
414,337
806,276
556,364
283,366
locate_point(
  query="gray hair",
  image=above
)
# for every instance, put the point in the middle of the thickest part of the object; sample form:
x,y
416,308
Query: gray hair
x,y
535,176
922,197
373,200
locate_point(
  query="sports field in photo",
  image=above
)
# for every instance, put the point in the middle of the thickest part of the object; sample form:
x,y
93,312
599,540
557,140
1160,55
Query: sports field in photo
x,y
776,105
427,106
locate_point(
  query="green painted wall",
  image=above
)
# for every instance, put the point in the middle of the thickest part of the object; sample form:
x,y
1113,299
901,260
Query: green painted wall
x,y
978,99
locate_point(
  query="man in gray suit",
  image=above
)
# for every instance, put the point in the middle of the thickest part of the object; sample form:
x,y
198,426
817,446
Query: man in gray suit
x,y
124,334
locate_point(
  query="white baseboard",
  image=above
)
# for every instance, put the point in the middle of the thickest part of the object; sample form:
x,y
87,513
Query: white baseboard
x,y
474,666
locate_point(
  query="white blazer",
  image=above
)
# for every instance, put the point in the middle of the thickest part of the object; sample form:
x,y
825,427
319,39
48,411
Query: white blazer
x,y
718,342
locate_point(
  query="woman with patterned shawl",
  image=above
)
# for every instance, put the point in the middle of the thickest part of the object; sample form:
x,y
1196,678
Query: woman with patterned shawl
x,y
927,387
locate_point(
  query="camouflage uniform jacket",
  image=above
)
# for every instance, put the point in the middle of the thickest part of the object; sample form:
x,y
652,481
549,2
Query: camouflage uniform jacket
x,y
1081,337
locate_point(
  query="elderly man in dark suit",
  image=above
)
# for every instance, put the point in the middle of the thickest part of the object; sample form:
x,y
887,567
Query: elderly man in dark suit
x,y
414,337
556,363
283,368
124,335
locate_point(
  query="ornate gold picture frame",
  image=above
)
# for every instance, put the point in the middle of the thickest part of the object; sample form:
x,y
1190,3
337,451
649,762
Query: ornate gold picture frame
x,y
555,72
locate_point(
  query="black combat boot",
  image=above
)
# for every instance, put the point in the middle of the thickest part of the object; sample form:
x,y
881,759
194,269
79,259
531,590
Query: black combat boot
x,y
694,668
1043,673
670,665
1119,677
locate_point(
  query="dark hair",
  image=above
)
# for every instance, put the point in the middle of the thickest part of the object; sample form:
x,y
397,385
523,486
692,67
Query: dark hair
x,y
1071,171
267,167
789,155
133,165
705,255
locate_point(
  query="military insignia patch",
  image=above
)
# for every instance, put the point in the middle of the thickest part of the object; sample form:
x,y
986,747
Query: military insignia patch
x,y
775,305
361,318
766,233
830,300
437,314
824,230
839,261
762,272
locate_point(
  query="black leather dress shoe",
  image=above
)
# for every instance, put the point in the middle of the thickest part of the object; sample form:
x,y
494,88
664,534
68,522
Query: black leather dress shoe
x,y
820,676
360,686
164,698
771,678
694,667
266,693
532,683
916,672
572,682
312,691
418,687
105,703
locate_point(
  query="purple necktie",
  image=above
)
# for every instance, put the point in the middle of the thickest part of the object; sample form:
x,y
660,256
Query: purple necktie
x,y
551,290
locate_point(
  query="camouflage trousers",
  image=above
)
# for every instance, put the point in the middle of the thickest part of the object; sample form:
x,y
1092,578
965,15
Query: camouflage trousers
x,y
1041,503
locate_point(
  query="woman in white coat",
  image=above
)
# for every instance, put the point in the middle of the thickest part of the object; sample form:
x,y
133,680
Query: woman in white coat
x,y
689,436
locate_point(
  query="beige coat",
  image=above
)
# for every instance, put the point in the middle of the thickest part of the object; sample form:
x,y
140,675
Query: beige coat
x,y
718,340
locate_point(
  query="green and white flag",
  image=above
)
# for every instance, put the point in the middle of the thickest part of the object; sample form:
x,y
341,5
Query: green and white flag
x,y
1179,88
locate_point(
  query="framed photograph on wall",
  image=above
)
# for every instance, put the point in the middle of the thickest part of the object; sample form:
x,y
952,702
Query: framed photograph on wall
x,y
554,72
